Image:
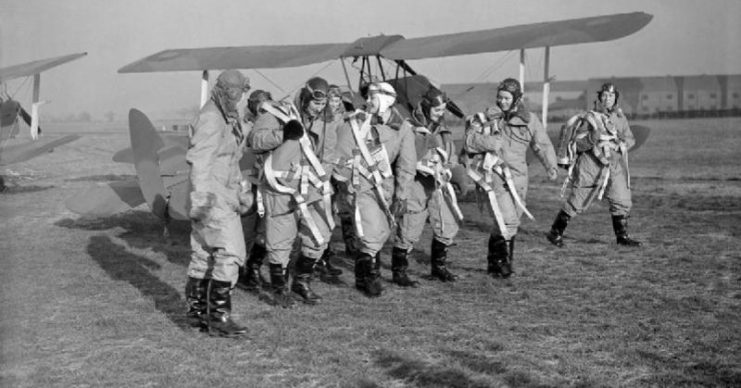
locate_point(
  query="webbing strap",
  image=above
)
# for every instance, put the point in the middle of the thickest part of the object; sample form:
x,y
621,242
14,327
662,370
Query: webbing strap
x,y
505,172
372,167
271,177
481,181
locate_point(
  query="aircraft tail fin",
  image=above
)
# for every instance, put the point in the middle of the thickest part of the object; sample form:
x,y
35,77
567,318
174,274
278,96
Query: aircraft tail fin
x,y
145,142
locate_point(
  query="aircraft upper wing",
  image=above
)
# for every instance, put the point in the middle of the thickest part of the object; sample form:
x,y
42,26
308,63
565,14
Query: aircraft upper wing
x,y
31,68
247,57
563,32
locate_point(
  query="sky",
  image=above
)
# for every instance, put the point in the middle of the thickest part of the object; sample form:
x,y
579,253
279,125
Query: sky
x,y
685,37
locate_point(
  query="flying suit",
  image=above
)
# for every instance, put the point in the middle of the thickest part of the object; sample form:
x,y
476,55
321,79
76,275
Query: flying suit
x,y
429,197
301,210
391,144
216,239
514,133
601,163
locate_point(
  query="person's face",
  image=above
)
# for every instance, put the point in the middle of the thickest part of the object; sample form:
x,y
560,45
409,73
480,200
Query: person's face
x,y
373,103
236,94
315,107
437,112
607,98
334,103
505,100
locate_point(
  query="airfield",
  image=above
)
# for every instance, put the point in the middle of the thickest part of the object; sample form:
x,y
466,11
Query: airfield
x,y
90,302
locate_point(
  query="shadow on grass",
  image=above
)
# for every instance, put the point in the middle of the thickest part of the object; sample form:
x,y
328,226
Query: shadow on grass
x,y
141,230
102,178
17,189
423,374
120,264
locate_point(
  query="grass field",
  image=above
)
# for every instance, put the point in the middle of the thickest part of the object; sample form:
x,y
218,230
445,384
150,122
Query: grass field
x,y
99,302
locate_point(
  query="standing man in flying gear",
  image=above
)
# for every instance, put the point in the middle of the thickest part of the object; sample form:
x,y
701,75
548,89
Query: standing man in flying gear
x,y
250,277
295,186
370,143
601,146
217,199
334,113
343,201
431,195
497,144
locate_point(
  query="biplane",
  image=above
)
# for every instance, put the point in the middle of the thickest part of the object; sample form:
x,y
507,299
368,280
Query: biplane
x,y
11,113
160,162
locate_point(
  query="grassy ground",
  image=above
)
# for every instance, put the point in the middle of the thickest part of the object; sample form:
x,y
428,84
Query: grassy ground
x,y
99,302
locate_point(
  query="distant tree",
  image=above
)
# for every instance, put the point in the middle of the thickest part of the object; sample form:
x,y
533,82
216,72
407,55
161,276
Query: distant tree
x,y
109,116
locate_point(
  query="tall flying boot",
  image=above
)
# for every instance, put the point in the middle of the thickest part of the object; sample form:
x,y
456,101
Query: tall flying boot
x,y
496,256
324,265
219,321
278,281
348,236
438,259
250,278
508,254
399,265
302,280
555,236
620,225
367,275
195,297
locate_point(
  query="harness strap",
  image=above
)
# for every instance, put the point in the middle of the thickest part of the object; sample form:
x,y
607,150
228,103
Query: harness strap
x,y
482,182
371,162
505,172
271,177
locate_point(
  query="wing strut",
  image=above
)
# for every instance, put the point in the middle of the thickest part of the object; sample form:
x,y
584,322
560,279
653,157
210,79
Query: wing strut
x,y
522,70
35,106
546,85
347,76
204,88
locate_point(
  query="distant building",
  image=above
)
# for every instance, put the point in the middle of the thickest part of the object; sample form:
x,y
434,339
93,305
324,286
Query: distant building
x,y
641,97
659,94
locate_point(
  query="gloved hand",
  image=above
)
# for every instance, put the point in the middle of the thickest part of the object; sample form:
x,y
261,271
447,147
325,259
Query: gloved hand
x,y
293,130
200,205
398,207
553,174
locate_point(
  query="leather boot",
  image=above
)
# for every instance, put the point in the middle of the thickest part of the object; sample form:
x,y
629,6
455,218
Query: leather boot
x,y
250,277
368,275
620,225
508,254
302,280
324,265
496,256
278,281
555,236
348,236
195,297
439,256
220,322
399,265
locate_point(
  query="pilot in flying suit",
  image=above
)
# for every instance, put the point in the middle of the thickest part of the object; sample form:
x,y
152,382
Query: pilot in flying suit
x,y
430,194
368,145
601,167
295,185
512,130
216,200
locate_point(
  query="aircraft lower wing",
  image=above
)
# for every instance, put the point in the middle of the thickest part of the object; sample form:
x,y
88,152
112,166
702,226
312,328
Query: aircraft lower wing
x,y
106,200
17,153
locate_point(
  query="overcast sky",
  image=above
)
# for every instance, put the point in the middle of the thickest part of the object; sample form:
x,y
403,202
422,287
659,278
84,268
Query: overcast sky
x,y
685,37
